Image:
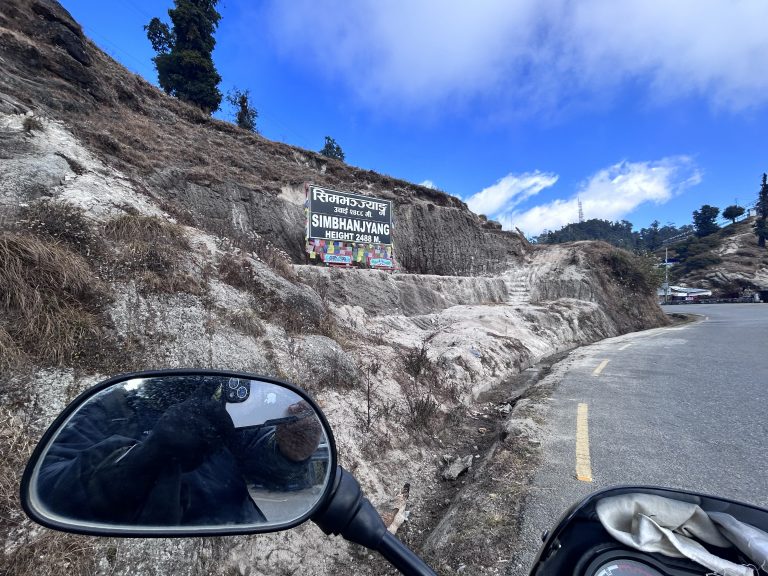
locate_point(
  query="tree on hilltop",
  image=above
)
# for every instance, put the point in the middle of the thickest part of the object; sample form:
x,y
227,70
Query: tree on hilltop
x,y
704,220
184,59
332,149
761,228
246,114
733,212
651,237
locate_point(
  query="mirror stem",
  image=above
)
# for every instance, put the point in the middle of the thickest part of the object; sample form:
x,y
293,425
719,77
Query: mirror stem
x,y
349,514
402,558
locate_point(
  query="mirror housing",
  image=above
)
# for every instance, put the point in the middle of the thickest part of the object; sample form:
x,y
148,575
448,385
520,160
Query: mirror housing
x,y
157,453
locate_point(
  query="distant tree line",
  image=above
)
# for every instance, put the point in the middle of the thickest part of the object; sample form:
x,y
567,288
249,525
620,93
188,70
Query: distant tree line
x,y
653,237
619,234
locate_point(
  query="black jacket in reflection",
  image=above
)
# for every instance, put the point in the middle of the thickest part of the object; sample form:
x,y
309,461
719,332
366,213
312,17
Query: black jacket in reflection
x,y
90,472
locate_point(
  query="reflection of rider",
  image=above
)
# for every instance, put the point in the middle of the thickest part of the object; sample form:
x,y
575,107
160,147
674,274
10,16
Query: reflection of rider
x,y
121,459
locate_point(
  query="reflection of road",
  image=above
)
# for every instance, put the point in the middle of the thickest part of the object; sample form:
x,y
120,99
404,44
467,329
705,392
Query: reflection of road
x,y
287,505
681,407
280,506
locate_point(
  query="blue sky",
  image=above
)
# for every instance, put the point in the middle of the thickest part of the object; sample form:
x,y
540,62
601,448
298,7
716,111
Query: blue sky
x,y
644,109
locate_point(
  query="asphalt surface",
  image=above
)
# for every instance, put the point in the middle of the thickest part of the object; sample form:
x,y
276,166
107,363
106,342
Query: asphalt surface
x,y
682,407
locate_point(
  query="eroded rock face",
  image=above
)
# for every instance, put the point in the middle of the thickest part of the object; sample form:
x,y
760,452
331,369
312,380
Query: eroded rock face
x,y
228,206
428,239
46,56
54,12
432,239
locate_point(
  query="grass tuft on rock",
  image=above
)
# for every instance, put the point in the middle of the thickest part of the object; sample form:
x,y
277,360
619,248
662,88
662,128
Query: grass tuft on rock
x,y
59,221
152,252
50,301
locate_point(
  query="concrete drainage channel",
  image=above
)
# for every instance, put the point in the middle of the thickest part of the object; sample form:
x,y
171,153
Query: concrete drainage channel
x,y
470,522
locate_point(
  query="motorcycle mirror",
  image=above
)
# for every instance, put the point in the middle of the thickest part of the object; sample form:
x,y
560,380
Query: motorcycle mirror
x,y
180,453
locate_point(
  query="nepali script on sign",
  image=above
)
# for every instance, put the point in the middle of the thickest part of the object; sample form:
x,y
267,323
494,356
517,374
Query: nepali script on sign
x,y
349,217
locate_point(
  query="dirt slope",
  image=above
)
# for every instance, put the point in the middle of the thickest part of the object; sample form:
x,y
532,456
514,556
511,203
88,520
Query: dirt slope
x,y
138,233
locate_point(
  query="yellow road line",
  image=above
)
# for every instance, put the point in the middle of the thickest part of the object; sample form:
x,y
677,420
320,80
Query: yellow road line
x,y
625,346
599,369
583,465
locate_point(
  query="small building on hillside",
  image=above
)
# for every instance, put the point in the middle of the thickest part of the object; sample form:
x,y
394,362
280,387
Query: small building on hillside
x,y
682,294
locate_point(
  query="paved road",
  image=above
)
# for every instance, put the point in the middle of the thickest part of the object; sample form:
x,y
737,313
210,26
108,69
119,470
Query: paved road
x,y
682,407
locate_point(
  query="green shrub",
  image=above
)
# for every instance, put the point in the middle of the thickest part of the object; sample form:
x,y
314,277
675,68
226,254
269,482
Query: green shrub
x,y
695,246
636,272
700,261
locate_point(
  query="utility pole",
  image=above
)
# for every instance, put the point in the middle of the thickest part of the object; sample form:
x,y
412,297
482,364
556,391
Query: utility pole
x,y
666,274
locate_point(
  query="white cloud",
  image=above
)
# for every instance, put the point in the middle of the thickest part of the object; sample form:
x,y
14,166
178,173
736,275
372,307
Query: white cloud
x,y
428,184
610,194
509,192
421,53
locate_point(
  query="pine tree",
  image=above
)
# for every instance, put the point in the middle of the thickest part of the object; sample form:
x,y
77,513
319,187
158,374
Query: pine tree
x,y
184,60
332,149
705,220
246,115
761,227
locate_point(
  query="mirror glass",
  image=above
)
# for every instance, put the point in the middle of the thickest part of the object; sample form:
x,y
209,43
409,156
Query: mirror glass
x,y
191,451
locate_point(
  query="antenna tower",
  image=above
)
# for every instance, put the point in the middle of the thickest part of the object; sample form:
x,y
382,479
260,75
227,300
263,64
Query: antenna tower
x,y
581,212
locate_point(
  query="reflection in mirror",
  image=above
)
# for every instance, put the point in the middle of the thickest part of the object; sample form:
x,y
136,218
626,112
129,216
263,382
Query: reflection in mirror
x,y
184,451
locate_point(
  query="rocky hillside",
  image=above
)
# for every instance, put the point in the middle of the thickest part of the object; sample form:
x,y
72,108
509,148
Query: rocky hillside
x,y
139,233
235,180
728,262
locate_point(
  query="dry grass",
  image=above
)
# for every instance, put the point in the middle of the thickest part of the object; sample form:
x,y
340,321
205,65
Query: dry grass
x,y
237,271
147,229
31,552
254,245
50,301
31,124
294,310
625,286
274,257
152,252
635,272
10,354
59,221
246,321
421,387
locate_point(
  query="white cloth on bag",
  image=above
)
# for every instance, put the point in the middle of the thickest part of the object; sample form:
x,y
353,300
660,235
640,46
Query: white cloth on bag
x,y
653,523
752,541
